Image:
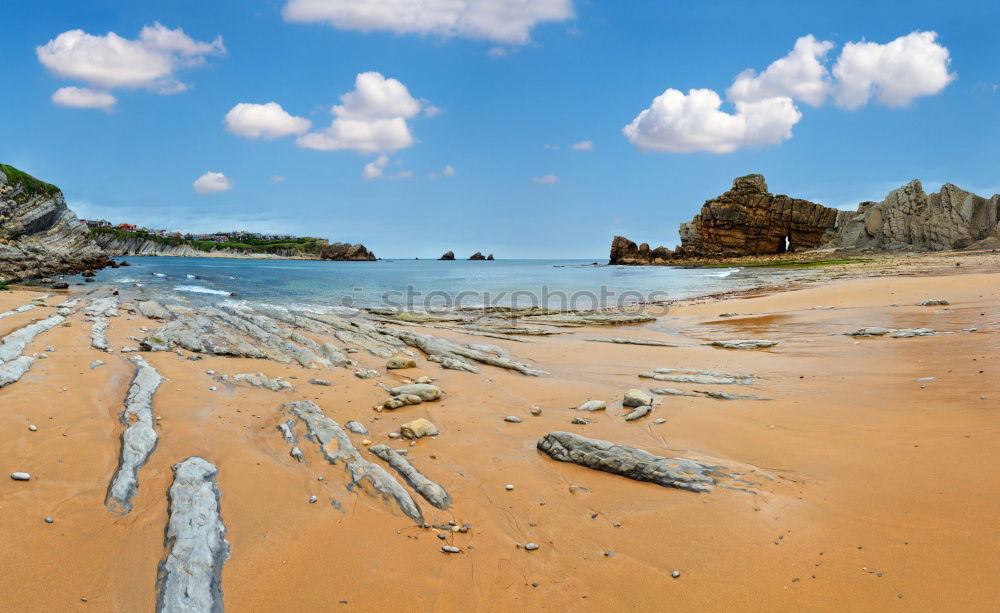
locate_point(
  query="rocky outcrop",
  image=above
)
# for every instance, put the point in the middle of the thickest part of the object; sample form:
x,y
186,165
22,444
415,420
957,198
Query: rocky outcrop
x,y
477,256
748,220
448,255
346,252
39,235
490,257
138,439
909,218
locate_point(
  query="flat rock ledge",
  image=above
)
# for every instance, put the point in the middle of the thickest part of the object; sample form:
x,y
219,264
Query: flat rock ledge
x,y
629,462
190,578
139,438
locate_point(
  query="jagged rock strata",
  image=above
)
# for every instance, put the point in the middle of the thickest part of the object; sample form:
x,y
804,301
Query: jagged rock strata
x,y
431,491
190,577
139,438
325,432
39,235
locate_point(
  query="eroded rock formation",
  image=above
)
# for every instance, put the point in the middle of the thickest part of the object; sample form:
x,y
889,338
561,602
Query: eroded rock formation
x,y
748,220
39,235
346,252
448,255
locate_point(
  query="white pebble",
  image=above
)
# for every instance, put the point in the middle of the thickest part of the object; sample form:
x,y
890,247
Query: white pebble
x,y
33,427
509,487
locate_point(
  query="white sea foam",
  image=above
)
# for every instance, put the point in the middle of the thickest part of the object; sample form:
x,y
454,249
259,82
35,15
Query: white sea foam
x,y
197,289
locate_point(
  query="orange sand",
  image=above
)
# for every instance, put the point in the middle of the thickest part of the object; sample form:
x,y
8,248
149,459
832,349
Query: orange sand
x,y
872,470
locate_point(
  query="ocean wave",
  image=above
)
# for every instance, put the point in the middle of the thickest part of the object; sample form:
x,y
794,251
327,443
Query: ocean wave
x,y
159,274
721,274
197,289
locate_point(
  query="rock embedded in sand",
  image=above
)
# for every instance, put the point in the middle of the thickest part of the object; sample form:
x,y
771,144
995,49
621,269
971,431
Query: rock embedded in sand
x,y
139,438
703,377
869,331
450,548
190,578
259,379
744,344
934,302
424,391
399,363
153,310
512,419
580,421
531,546
12,371
638,413
632,341
356,427
418,428
325,432
365,373
637,398
628,461
19,476
98,335
321,382
431,491
592,405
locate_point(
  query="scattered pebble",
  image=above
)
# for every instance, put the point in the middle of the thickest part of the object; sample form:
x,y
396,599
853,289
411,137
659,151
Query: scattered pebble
x,y
27,477
49,520
512,419
451,549
659,421
536,411
675,574
33,427
312,499
509,487
531,546
213,389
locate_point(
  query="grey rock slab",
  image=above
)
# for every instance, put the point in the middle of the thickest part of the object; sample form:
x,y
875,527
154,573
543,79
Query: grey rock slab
x,y
592,405
869,331
325,432
702,377
433,493
633,341
669,391
356,427
911,332
637,398
153,310
12,345
628,462
514,419
322,382
190,577
11,372
98,335
424,391
259,379
445,352
139,438
934,302
743,344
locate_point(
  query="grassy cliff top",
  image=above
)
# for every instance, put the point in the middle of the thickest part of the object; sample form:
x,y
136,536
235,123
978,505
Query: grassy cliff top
x,y
303,245
30,184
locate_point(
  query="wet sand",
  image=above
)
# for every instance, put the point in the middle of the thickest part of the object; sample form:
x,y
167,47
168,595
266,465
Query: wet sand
x,y
875,491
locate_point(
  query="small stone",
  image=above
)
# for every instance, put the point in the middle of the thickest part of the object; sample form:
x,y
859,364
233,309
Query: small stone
x,y
536,411
531,546
675,574
580,421
592,405
20,476
394,435
49,520
398,363
512,419
96,364
659,421
33,427
209,372
450,549
508,487
213,389
312,499
322,382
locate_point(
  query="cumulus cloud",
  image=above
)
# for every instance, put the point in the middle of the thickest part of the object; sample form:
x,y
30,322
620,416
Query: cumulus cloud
x,y
370,119
680,123
801,75
894,73
84,98
449,171
503,21
212,183
549,179
277,179
109,61
375,169
584,145
264,121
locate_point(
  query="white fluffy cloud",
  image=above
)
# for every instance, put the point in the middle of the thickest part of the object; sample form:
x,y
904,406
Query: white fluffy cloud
x,y
264,121
108,62
801,75
449,171
679,123
84,98
549,179
375,169
371,119
894,73
212,183
504,21
584,145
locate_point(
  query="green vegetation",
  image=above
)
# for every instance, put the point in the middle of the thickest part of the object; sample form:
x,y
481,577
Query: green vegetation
x,y
303,245
4,287
31,185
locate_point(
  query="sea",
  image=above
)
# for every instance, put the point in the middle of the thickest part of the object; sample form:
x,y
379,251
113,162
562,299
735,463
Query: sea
x,y
427,285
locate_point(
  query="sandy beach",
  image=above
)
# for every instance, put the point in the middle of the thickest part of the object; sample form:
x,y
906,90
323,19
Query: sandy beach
x,y
869,464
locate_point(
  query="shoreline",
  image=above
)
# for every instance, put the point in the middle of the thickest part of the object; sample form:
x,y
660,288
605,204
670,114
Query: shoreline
x,y
838,460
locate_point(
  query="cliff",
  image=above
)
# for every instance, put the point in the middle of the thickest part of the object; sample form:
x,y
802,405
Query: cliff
x,y
39,235
748,220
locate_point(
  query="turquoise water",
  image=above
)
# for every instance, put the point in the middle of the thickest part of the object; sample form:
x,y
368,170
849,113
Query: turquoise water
x,y
428,284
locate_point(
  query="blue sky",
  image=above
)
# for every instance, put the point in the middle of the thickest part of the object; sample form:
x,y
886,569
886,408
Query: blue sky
x,y
499,98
